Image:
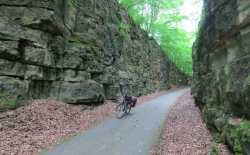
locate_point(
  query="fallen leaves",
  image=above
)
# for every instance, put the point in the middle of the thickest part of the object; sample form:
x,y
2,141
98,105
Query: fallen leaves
x,y
43,123
27,130
185,132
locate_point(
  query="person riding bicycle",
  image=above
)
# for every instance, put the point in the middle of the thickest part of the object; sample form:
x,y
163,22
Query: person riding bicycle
x,y
130,99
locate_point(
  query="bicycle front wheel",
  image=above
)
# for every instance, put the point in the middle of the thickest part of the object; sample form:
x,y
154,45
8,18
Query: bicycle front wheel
x,y
128,108
120,110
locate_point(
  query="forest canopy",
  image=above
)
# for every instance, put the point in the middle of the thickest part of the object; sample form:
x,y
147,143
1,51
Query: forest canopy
x,y
163,20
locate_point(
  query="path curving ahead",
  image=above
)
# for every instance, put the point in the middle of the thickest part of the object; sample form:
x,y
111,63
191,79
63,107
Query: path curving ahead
x,y
134,134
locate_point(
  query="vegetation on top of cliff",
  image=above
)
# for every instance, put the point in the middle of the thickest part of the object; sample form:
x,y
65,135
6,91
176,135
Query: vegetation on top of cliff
x,y
162,20
198,40
123,28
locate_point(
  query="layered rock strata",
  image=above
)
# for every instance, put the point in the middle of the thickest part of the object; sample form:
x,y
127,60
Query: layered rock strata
x,y
77,51
222,71
179,78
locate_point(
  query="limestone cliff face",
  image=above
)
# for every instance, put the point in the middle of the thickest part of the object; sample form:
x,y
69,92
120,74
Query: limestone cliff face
x,y
222,71
76,51
177,77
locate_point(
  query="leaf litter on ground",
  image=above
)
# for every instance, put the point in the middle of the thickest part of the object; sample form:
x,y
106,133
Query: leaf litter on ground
x,y
29,129
185,132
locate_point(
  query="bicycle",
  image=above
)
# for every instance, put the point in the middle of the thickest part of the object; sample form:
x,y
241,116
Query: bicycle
x,y
124,108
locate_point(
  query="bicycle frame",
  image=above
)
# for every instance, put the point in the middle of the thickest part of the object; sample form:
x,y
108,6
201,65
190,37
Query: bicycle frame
x,y
123,108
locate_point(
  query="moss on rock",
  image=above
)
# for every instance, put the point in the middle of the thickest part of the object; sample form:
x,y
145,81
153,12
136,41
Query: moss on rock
x,y
248,80
239,136
213,151
218,138
7,102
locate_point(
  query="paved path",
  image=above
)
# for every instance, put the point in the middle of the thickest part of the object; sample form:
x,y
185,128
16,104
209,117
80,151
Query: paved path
x,y
134,134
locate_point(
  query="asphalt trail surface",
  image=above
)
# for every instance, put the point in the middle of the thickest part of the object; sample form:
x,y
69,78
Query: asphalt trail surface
x,y
133,134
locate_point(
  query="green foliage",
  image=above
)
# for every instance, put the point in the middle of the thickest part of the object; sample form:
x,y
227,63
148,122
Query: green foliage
x,y
68,100
7,102
237,146
218,138
213,151
85,39
161,19
123,29
131,69
199,32
248,80
89,56
116,54
239,136
178,47
118,14
71,2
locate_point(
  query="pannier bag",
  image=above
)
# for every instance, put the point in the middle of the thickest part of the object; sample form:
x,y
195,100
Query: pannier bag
x,y
133,101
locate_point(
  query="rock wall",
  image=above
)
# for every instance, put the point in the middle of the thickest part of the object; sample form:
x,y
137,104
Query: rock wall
x,y
222,71
177,77
77,51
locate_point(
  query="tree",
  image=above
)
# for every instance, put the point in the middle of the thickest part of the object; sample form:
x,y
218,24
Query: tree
x,y
162,20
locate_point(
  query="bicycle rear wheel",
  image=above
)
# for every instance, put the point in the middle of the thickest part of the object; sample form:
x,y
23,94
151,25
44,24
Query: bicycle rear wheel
x,y
120,110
